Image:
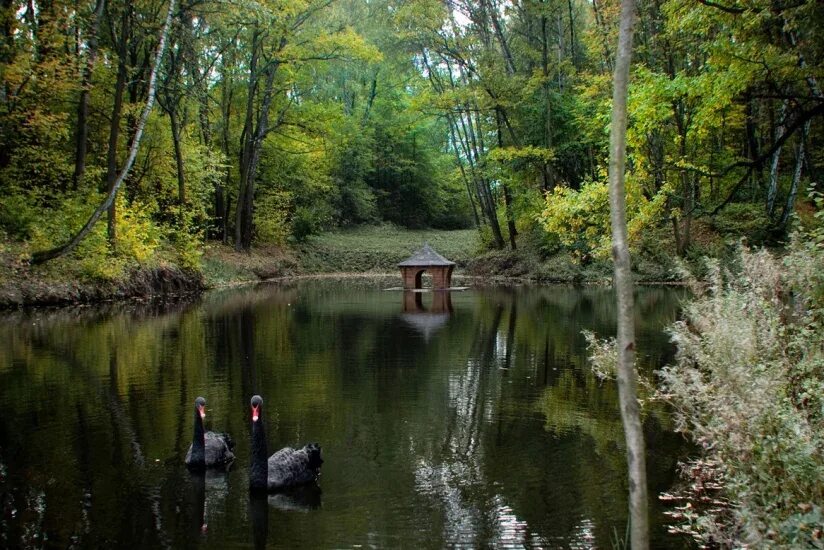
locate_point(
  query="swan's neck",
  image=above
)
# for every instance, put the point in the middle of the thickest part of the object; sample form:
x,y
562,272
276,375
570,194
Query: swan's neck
x,y
259,471
198,440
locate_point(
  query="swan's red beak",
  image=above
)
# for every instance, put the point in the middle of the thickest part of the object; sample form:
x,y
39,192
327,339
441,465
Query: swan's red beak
x,y
202,411
255,414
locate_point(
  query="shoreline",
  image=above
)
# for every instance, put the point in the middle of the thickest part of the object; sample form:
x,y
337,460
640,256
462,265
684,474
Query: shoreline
x,y
177,284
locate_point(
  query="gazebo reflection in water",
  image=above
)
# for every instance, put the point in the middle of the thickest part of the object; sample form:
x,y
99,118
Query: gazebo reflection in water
x,y
425,320
441,302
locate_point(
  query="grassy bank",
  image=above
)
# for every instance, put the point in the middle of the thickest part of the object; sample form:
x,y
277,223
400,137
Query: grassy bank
x,y
69,280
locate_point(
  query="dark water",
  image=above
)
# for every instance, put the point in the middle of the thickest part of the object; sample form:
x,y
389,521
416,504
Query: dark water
x,y
479,427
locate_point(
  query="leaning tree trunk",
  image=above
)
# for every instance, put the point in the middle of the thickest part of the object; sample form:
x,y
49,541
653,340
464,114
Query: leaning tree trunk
x,y
43,256
627,378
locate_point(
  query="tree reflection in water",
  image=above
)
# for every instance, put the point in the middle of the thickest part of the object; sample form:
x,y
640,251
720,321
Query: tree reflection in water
x,y
487,430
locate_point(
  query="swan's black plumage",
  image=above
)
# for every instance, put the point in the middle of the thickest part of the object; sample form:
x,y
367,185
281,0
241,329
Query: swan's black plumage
x,y
286,468
208,449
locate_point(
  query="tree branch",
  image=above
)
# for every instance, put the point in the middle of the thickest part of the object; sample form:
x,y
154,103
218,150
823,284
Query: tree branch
x,y
726,9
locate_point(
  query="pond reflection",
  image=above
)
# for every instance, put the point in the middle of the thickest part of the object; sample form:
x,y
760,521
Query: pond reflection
x,y
426,320
450,419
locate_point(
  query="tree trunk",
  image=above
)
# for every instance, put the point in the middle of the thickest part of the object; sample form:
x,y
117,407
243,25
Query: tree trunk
x,y
40,257
254,132
476,142
459,162
81,145
799,162
627,377
510,216
221,200
772,190
169,100
572,36
181,179
114,123
548,176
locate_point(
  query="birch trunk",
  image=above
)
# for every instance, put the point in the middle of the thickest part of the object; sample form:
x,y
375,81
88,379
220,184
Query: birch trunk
x,y
40,257
627,378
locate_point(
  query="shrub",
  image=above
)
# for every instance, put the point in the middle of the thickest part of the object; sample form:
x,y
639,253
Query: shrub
x,y
271,210
748,386
580,218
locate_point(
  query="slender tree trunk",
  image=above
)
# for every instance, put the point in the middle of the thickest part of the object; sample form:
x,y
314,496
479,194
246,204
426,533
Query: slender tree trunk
x,y
548,176
627,377
799,162
510,216
181,179
114,124
492,13
40,257
599,21
483,199
81,145
772,190
247,137
169,101
459,162
572,54
476,141
198,81
221,200
753,151
254,133
683,236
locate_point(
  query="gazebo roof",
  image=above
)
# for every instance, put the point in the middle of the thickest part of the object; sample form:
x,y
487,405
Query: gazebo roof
x,y
425,257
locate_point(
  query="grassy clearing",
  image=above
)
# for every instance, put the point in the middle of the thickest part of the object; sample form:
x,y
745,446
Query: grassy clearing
x,y
379,249
222,265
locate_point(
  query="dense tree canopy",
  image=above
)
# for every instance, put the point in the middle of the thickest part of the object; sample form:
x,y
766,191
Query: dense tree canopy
x,y
278,119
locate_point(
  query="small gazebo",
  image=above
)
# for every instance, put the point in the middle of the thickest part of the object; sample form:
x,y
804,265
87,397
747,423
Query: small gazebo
x,y
426,259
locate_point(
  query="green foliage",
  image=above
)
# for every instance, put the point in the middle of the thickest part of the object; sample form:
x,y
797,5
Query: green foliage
x,y
739,219
17,215
580,219
270,217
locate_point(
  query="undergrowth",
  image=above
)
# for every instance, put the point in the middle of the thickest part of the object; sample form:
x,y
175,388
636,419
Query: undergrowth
x,y
748,386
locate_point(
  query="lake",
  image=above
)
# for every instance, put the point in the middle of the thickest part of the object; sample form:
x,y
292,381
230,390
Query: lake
x,y
463,419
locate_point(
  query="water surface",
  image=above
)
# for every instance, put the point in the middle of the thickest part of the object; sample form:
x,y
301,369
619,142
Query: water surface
x,y
467,419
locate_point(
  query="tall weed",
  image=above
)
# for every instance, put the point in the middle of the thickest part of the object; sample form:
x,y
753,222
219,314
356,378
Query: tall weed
x,y
748,386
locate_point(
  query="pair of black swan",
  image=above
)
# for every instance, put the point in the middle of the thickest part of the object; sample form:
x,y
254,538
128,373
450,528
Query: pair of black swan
x,y
286,468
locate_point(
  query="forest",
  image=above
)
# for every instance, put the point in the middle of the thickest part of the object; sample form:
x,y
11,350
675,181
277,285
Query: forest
x,y
265,123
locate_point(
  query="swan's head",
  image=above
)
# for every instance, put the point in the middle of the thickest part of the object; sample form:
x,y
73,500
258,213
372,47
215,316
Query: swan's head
x,y
200,405
257,401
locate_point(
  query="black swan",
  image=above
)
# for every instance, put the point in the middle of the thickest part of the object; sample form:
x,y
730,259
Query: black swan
x,y
208,449
286,468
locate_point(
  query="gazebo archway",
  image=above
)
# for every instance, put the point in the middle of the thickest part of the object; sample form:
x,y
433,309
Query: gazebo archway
x,y
426,260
